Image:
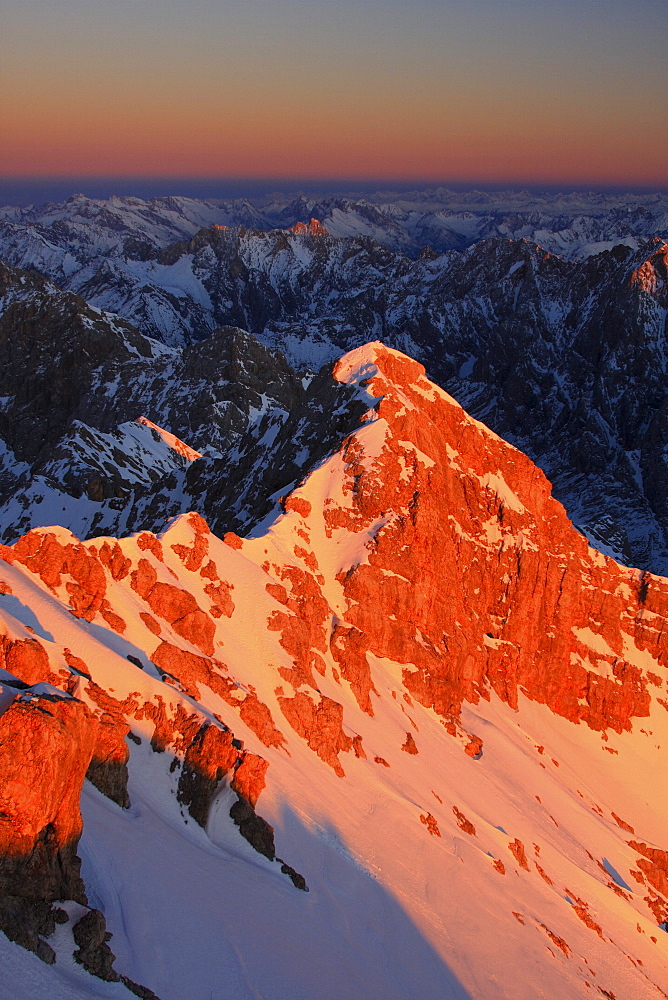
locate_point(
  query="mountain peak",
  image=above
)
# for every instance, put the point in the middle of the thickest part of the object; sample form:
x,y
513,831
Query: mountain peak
x,y
394,383
652,275
420,640
312,228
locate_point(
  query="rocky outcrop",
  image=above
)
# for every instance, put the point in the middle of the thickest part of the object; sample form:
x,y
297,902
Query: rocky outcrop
x,y
320,724
46,555
653,874
191,670
91,936
256,830
108,769
93,952
249,777
176,606
46,743
28,661
210,757
312,228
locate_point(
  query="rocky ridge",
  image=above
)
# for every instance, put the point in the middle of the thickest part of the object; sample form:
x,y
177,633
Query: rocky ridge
x,y
59,726
78,453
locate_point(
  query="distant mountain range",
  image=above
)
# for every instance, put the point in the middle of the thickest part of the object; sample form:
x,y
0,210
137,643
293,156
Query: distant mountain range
x,y
573,225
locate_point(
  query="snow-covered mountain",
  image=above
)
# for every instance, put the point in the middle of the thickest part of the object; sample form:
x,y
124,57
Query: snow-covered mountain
x,y
413,691
308,685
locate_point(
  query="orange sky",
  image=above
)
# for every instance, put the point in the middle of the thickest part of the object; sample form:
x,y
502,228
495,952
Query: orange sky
x,y
497,89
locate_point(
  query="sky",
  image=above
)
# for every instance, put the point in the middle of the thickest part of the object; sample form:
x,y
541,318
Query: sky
x,y
520,92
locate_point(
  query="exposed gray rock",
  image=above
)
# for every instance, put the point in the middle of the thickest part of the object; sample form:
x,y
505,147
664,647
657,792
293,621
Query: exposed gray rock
x,y
111,778
93,952
256,830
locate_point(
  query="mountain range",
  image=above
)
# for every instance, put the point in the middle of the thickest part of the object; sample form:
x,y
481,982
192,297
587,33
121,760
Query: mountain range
x,y
564,358
573,225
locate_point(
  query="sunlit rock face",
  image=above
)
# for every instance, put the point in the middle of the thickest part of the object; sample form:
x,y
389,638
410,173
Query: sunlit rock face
x,y
455,511
46,744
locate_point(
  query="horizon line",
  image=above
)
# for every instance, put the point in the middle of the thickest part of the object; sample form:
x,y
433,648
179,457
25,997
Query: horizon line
x,y
43,188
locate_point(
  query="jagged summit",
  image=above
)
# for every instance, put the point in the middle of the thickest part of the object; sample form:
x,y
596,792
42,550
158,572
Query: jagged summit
x,y
368,366
651,276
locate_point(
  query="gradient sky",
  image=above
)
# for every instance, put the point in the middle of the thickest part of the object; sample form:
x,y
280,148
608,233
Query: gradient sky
x,y
515,91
